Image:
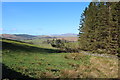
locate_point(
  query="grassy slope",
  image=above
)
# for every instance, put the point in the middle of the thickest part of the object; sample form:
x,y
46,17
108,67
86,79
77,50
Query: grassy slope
x,y
40,42
36,62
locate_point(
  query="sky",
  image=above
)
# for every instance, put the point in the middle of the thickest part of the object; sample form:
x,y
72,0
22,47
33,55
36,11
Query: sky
x,y
41,18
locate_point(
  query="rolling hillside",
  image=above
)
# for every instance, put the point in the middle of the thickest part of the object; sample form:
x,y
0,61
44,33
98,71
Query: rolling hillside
x,y
28,62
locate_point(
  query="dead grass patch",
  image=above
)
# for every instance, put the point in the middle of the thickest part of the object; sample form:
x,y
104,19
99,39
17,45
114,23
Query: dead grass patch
x,y
107,66
99,68
69,74
47,75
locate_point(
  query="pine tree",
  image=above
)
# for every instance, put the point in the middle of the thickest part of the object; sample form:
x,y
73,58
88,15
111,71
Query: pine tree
x,y
113,27
87,27
99,28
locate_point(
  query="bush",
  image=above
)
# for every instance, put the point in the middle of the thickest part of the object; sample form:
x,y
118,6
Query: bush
x,y
71,47
65,45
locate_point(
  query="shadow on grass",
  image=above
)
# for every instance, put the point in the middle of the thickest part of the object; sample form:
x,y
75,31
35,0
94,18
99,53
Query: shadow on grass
x,y
10,74
26,48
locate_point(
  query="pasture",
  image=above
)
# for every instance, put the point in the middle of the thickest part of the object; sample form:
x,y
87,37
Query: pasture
x,y
29,61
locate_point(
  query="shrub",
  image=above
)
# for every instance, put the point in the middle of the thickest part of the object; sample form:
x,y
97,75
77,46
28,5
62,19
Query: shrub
x,y
65,45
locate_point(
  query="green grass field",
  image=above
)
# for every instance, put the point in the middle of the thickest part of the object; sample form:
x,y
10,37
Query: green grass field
x,y
22,60
40,42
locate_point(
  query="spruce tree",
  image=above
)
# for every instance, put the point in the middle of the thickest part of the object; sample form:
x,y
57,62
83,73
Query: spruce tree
x,y
99,28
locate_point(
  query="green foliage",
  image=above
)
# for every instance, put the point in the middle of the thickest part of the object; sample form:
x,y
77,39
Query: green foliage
x,y
65,45
99,27
58,43
71,47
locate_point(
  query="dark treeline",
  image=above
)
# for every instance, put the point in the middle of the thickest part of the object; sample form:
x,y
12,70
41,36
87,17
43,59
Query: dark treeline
x,y
99,27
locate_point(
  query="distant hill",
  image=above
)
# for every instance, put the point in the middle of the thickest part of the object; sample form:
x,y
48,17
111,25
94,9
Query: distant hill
x,y
68,36
25,36
45,36
17,36
65,35
9,36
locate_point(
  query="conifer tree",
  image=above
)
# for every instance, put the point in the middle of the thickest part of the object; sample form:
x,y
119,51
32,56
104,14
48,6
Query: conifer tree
x,y
99,28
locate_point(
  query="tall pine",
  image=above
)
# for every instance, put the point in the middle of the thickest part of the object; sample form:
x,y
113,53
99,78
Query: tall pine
x,y
99,28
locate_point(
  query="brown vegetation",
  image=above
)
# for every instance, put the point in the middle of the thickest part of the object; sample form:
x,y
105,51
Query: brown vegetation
x,y
68,38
